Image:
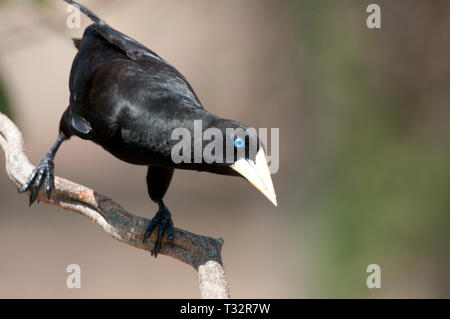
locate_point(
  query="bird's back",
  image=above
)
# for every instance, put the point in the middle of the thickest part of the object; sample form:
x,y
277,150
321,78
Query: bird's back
x,y
129,102
100,65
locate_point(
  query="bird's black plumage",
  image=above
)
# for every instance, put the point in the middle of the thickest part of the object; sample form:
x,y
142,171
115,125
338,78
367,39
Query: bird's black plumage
x,y
127,99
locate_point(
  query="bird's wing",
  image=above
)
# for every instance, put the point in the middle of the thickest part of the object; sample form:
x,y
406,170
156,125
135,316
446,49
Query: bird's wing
x,y
148,71
167,75
133,49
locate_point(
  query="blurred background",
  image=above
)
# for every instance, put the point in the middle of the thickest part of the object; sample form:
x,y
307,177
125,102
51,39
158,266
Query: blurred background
x,y
364,172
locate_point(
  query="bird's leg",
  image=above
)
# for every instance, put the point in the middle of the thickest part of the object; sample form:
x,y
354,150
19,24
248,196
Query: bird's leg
x,y
163,220
43,171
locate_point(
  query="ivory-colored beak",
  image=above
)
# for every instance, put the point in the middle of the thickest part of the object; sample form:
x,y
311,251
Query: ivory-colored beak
x,y
258,174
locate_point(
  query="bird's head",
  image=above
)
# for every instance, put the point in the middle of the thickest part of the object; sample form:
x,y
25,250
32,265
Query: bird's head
x,y
244,153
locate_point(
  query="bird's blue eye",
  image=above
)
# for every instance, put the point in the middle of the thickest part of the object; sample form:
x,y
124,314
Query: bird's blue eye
x,y
238,142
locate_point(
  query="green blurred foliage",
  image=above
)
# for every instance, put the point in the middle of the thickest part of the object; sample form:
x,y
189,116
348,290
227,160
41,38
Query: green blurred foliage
x,y
377,191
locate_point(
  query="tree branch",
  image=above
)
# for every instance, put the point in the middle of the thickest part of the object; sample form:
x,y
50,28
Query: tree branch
x,y
201,252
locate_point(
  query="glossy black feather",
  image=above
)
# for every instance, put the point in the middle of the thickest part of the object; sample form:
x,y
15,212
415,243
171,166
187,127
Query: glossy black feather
x,y
126,98
132,106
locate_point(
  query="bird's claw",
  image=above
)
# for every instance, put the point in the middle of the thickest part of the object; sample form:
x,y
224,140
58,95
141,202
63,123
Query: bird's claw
x,y
163,220
43,172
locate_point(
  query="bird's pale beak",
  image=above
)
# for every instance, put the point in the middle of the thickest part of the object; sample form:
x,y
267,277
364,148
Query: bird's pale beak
x,y
257,172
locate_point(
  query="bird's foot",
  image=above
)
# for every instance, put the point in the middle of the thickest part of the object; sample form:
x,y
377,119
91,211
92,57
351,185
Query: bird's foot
x,y
163,220
43,172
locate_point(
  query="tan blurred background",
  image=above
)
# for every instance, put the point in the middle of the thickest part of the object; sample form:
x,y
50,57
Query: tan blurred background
x,y
364,149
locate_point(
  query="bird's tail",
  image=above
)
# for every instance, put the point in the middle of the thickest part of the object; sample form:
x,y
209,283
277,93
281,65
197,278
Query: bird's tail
x,y
86,11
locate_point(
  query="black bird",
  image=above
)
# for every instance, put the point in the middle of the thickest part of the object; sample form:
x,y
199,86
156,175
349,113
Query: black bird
x,y
127,99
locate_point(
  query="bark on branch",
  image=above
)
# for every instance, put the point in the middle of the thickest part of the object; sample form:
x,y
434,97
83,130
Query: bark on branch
x,y
201,252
